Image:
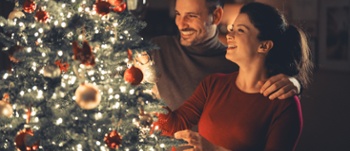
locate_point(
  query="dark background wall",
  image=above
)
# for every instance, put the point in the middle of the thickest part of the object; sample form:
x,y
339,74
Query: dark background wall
x,y
326,103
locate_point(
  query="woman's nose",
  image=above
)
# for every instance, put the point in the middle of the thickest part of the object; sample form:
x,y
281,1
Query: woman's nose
x,y
230,35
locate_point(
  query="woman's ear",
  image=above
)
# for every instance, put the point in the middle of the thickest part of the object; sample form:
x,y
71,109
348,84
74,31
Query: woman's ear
x,y
217,15
265,46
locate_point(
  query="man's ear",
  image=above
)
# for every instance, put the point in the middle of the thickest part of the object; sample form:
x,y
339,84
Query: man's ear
x,y
217,15
265,46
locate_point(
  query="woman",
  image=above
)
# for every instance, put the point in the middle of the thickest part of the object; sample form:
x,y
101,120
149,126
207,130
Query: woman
x,y
230,112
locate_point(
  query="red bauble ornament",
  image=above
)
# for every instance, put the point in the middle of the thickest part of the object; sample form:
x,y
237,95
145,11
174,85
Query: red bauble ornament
x,y
113,139
102,7
120,8
64,66
133,75
21,140
115,2
84,54
29,6
41,16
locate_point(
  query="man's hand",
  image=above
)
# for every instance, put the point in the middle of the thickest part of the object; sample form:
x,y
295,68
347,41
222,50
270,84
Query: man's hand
x,y
198,142
142,58
279,86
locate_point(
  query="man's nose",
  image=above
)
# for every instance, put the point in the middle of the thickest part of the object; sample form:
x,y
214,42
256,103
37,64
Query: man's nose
x,y
182,23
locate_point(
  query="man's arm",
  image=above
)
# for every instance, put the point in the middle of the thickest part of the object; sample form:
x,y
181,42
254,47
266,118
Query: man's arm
x,y
280,86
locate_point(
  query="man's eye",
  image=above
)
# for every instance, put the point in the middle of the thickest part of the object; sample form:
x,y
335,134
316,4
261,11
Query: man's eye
x,y
240,30
192,16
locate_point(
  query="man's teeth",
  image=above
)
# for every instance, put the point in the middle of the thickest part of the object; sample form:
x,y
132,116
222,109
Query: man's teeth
x,y
187,32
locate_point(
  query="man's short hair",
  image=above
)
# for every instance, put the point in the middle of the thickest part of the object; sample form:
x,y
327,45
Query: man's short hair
x,y
212,5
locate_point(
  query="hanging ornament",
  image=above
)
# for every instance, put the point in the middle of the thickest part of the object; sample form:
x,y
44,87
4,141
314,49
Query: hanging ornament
x,y
41,16
5,106
24,140
29,6
120,8
15,14
84,54
133,75
113,139
63,66
118,5
87,96
115,2
51,71
102,7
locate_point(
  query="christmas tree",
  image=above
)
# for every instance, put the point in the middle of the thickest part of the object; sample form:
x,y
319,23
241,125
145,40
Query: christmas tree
x,y
69,81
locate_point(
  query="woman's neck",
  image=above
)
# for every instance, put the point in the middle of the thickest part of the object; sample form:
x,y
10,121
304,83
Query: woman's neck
x,y
248,78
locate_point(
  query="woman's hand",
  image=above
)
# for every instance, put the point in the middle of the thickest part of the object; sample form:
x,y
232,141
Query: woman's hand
x,y
198,142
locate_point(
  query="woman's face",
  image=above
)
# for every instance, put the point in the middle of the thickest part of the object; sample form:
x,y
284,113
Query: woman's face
x,y
242,41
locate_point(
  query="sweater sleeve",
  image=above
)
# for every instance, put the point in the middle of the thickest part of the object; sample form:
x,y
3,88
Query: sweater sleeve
x,y
185,116
286,127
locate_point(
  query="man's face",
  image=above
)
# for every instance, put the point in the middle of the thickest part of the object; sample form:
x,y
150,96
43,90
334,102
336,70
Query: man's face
x,y
194,22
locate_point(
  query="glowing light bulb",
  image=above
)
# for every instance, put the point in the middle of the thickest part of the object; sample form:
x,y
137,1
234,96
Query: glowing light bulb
x,y
60,53
41,30
63,24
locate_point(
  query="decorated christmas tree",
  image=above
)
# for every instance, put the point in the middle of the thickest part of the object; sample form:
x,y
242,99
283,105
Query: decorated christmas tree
x,y
69,81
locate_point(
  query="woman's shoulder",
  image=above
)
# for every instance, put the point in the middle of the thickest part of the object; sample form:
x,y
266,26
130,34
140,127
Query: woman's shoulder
x,y
293,101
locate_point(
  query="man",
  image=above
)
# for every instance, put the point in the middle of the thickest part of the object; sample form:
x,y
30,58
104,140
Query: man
x,y
184,60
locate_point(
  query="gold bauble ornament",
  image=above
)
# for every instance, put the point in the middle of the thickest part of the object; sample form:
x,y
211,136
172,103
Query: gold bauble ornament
x,y
87,96
5,106
16,14
51,71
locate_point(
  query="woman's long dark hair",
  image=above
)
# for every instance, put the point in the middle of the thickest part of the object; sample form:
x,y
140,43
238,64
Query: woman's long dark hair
x,y
290,54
